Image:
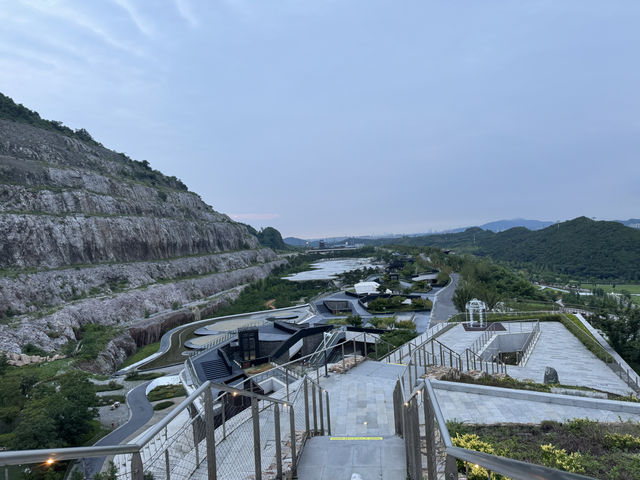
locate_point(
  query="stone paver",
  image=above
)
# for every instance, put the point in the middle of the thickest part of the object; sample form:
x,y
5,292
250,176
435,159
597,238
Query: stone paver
x,y
575,365
457,339
361,406
361,399
485,409
327,459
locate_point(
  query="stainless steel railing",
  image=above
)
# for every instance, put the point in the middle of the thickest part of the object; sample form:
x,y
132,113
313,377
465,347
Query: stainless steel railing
x,y
185,442
407,403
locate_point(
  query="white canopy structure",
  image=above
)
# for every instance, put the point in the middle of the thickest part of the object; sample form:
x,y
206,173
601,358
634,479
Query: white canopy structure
x,y
364,288
474,307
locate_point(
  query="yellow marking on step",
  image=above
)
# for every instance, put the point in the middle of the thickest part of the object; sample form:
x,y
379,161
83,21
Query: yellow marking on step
x,y
355,438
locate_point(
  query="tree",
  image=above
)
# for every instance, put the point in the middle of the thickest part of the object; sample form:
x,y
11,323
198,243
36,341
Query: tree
x,y
36,428
4,363
354,320
462,295
111,473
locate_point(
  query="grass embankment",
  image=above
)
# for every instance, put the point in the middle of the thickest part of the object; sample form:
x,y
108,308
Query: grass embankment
x,y
510,382
137,376
606,451
163,405
164,392
619,287
109,387
141,354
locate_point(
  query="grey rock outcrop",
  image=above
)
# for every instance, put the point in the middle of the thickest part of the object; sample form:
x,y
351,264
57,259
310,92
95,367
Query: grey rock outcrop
x,y
550,376
88,235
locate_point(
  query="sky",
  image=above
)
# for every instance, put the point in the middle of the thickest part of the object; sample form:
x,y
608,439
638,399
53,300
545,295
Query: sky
x,y
350,117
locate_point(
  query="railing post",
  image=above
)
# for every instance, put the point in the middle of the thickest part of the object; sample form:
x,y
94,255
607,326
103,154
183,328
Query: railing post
x,y
257,461
223,404
321,411
355,356
429,432
167,465
410,379
376,347
365,344
276,420
450,468
306,406
286,373
415,364
344,365
328,413
326,372
292,435
210,429
315,413
397,408
137,472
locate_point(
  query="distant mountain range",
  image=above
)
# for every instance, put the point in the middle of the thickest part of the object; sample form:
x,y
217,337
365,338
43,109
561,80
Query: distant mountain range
x,y
497,226
582,248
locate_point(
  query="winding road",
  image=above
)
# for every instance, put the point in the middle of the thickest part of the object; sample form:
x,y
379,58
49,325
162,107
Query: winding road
x,y
443,307
140,413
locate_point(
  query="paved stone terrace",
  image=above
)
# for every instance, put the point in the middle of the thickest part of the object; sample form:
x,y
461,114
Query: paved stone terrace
x,y
327,459
576,365
556,347
363,394
484,409
361,406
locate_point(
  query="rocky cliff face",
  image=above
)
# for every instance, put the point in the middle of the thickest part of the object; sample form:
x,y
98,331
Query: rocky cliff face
x,y
88,235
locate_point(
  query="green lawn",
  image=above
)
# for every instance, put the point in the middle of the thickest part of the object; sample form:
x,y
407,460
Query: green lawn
x,y
620,287
143,352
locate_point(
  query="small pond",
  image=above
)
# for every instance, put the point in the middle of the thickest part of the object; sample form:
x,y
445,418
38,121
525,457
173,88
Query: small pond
x,y
330,269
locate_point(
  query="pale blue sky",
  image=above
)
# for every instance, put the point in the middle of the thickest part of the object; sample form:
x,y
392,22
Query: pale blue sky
x,y
339,117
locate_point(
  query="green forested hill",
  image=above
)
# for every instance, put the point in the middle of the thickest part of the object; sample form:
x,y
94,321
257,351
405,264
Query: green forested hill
x,y
16,112
580,247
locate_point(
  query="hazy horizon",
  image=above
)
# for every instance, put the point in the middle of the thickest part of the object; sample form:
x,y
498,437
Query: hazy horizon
x,y
332,118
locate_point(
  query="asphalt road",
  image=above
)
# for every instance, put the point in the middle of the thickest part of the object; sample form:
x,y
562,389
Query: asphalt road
x,y
141,412
444,308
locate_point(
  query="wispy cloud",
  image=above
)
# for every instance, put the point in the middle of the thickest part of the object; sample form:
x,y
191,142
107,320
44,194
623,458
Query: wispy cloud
x,y
186,12
73,16
139,22
254,216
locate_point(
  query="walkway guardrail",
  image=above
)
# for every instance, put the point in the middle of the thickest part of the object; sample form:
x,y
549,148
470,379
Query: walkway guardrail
x,y
476,362
434,455
263,439
483,339
403,352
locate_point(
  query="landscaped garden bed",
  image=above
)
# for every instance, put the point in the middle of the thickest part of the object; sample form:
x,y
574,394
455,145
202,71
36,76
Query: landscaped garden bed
x,y
608,451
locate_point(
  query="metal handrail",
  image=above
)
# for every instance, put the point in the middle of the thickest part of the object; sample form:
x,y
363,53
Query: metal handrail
x,y
497,365
416,342
57,454
515,469
483,339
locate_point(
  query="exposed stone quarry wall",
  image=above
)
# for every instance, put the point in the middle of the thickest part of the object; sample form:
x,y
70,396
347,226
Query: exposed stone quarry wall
x,y
88,235
52,331
30,292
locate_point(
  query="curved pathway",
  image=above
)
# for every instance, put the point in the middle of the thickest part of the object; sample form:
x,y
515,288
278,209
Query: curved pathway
x,y
140,412
443,307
